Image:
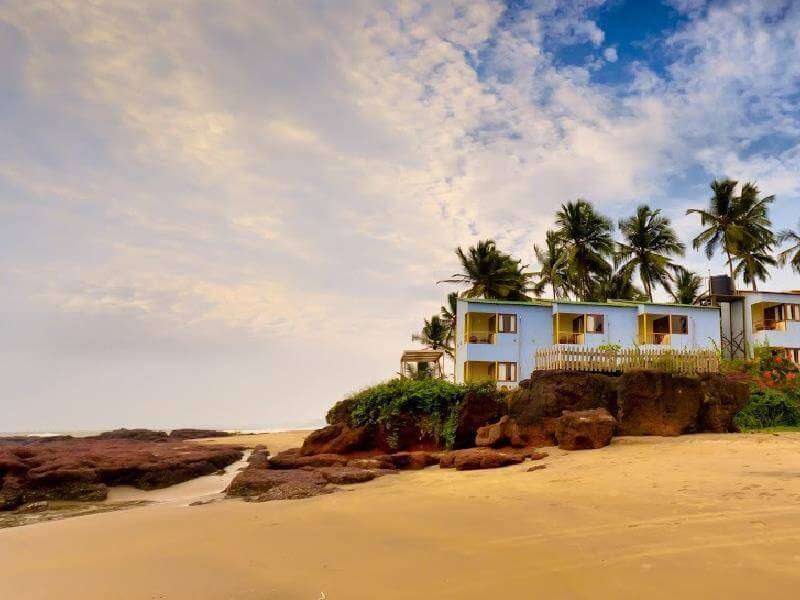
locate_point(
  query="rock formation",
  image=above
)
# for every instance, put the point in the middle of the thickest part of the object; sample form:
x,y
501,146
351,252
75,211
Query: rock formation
x,y
643,402
503,433
83,468
585,429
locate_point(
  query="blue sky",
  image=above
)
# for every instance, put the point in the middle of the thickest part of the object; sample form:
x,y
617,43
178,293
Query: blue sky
x,y
228,214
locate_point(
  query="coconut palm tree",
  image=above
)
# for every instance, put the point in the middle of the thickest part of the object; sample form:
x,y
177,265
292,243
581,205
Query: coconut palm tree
x,y
732,221
491,273
649,244
434,335
553,261
686,286
792,253
586,238
448,316
754,263
617,285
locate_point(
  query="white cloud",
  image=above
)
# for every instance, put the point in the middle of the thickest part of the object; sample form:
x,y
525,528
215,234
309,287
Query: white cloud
x,y
301,175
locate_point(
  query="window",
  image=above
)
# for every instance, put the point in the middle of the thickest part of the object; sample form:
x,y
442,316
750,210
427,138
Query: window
x,y
507,323
595,324
680,324
792,312
506,371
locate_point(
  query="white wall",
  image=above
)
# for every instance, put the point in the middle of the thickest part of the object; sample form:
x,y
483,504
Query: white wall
x,y
535,330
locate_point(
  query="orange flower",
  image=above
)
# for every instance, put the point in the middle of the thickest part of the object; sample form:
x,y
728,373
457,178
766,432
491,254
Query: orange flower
x,y
778,360
767,374
790,376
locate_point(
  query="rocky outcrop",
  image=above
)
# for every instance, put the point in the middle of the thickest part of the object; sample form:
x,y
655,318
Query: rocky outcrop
x,y
410,461
475,411
478,458
338,439
503,433
722,399
141,435
585,429
254,482
196,434
292,459
643,402
83,468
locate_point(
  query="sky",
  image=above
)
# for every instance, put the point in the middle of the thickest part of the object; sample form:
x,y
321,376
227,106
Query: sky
x,y
234,214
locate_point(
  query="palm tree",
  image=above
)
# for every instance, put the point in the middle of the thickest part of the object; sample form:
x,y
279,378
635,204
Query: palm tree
x,y
754,263
733,221
617,285
649,243
434,335
686,288
448,316
491,273
586,237
553,261
791,254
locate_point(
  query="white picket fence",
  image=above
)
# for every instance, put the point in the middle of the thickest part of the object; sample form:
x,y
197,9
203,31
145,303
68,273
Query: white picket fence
x,y
583,358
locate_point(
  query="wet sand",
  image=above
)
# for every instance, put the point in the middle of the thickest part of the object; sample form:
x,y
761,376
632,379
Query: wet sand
x,y
696,516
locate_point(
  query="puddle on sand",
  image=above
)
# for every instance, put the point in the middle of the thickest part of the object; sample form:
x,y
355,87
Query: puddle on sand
x,y
201,489
208,487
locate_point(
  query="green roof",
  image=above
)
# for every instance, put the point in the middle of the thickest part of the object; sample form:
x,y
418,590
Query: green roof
x,y
630,303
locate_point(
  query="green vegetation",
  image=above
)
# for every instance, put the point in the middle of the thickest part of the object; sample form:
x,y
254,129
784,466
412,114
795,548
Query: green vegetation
x,y
769,407
649,243
431,403
491,273
739,225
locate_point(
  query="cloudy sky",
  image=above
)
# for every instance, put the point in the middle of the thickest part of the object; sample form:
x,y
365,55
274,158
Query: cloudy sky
x,y
234,213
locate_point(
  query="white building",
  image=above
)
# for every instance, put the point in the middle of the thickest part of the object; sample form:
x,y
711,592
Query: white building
x,y
751,319
497,339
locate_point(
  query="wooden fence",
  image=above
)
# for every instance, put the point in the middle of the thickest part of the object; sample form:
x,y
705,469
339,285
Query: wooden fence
x,y
582,358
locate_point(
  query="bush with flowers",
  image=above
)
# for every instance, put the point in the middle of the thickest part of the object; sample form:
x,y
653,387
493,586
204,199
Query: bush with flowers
x,y
774,392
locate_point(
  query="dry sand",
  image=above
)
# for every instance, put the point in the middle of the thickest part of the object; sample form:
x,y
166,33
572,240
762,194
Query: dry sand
x,y
696,517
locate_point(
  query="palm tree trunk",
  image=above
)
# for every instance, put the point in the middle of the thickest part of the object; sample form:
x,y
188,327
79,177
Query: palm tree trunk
x,y
648,288
730,267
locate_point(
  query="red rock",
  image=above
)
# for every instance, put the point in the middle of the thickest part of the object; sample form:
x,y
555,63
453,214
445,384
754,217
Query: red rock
x,y
723,397
291,460
410,461
503,433
380,463
346,475
586,429
536,468
259,458
336,439
141,435
252,482
475,411
478,458
292,490
195,434
82,468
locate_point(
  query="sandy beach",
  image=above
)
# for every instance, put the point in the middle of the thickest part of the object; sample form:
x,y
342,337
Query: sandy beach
x,y
695,516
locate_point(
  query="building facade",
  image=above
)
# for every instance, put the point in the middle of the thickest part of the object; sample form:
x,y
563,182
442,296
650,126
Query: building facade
x,y
752,319
497,340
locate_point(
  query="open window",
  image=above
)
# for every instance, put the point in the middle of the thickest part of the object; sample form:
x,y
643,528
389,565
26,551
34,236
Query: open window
x,y
506,371
680,325
595,324
506,323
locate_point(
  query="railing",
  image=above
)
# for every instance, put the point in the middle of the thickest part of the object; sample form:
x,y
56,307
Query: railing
x,y
655,339
567,337
479,337
684,361
767,325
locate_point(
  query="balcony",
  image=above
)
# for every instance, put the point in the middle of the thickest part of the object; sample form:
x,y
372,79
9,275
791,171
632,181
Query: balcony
x,y
479,337
568,337
768,325
656,339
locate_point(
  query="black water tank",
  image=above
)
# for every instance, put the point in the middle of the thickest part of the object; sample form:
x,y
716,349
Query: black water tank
x,y
721,285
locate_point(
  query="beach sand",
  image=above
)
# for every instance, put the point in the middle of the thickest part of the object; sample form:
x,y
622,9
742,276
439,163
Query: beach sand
x,y
695,517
